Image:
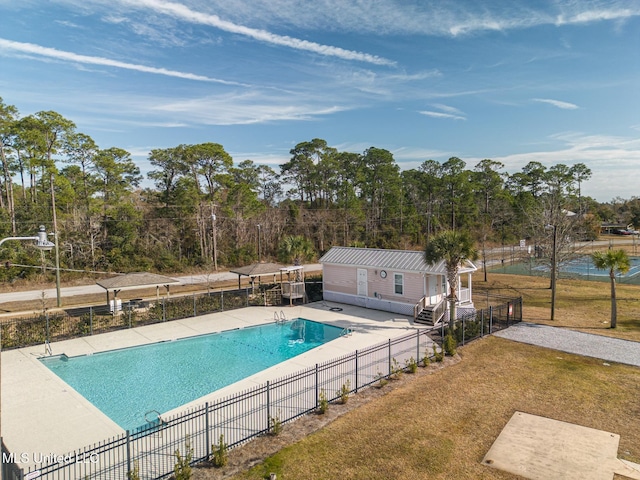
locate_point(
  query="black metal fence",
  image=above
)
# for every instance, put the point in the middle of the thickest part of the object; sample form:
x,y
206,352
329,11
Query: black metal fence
x,y
253,412
10,469
80,322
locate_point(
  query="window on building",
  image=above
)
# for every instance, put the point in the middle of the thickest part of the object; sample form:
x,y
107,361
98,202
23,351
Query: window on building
x,y
398,281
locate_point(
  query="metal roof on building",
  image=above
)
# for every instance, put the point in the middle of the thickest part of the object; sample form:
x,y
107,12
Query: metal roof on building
x,y
257,269
136,280
404,260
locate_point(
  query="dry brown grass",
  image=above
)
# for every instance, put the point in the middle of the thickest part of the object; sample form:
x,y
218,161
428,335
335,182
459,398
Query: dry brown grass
x,y
440,426
580,304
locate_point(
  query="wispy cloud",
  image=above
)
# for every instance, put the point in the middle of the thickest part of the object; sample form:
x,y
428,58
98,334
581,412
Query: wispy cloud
x,y
612,159
557,103
46,52
245,108
446,112
598,14
427,17
184,13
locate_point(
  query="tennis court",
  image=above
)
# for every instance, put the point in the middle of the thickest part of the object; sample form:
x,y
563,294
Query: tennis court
x,y
579,268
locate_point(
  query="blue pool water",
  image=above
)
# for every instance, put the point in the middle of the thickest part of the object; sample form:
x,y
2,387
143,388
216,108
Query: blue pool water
x,y
127,383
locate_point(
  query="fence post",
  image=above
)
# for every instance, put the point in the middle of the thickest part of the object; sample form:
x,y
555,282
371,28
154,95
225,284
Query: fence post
x,y
508,308
490,319
463,320
195,310
356,371
130,308
128,453
268,407
164,310
90,320
418,346
317,388
482,323
222,300
206,429
246,295
389,357
47,317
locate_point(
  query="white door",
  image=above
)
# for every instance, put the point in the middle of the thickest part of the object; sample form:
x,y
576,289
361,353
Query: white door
x,y
362,281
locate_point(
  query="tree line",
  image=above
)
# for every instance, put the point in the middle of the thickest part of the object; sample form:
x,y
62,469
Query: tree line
x,y
206,210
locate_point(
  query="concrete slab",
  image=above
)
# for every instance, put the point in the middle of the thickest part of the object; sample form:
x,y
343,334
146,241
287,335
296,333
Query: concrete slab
x,y
41,414
540,448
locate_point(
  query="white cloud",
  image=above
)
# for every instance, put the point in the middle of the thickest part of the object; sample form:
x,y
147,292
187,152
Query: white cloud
x,y
613,160
557,103
448,109
243,108
430,113
410,154
382,17
447,112
184,13
45,52
596,15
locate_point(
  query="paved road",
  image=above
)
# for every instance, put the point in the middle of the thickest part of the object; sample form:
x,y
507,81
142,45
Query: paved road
x,y
91,289
579,343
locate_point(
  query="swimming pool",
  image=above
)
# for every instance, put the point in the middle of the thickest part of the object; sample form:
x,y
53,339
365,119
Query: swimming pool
x,y
128,383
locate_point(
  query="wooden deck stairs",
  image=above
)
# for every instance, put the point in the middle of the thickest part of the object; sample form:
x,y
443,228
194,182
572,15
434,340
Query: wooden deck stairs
x,y
430,314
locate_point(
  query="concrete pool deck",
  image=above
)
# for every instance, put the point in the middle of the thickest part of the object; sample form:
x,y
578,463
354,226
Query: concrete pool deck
x,y
42,415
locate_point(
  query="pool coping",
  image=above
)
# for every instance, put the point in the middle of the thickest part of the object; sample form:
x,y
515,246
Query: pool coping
x,y
42,415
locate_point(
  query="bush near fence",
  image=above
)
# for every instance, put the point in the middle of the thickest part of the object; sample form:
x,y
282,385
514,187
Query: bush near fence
x,y
248,414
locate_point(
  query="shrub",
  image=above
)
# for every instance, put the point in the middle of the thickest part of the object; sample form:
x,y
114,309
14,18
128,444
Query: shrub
x,y
411,365
219,457
382,380
323,402
439,356
275,427
182,468
426,361
343,393
396,369
450,345
135,473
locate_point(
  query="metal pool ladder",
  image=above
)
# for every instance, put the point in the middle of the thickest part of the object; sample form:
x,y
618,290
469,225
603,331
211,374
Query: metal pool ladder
x,y
47,348
279,318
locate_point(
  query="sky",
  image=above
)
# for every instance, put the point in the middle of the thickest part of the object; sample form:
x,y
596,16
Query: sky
x,y
555,81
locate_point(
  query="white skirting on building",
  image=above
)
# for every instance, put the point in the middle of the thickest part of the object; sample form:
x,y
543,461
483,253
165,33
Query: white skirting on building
x,y
370,302
385,305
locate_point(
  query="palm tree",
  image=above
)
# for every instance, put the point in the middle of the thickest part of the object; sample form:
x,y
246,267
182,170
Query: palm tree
x,y
614,261
295,248
453,247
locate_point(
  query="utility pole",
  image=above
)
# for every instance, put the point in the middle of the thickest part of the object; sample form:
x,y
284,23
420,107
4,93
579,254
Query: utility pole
x,y
215,239
55,237
259,245
553,269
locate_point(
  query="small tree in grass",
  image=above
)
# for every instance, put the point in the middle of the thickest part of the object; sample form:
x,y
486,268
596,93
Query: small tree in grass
x,y
614,261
